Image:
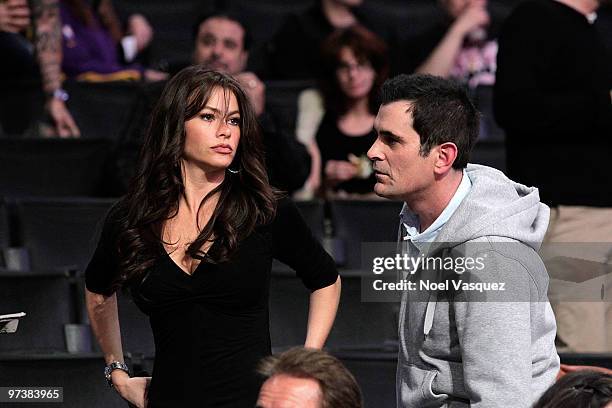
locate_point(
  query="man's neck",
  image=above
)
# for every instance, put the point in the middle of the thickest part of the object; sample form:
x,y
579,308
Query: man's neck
x,y
428,205
585,7
338,15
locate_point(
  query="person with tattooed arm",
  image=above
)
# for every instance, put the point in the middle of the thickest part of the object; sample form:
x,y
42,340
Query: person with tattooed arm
x,y
15,17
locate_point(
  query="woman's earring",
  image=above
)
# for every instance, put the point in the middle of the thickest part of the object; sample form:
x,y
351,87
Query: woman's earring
x,y
233,171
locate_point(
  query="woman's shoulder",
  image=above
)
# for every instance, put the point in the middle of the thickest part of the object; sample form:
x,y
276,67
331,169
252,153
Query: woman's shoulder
x,y
114,219
285,214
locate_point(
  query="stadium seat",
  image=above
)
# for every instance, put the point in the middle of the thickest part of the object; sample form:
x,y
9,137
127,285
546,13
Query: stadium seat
x,y
46,300
358,323
21,106
5,233
80,375
356,222
60,167
101,110
60,232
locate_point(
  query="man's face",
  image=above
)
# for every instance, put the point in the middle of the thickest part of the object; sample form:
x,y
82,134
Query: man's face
x,y
284,391
220,46
401,172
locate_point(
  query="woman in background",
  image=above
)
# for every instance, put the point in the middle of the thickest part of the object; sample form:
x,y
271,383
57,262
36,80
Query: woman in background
x,y
355,65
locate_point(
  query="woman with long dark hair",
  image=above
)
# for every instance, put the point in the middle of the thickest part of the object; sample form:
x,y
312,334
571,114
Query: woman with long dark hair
x,y
193,240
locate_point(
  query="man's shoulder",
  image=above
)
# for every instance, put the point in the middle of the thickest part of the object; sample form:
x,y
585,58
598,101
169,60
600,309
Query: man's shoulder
x,y
511,260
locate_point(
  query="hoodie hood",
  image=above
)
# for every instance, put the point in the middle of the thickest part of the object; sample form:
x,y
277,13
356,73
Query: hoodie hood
x,y
497,207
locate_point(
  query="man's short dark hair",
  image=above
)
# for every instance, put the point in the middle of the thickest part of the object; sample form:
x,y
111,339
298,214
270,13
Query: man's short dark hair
x,y
227,15
339,388
441,112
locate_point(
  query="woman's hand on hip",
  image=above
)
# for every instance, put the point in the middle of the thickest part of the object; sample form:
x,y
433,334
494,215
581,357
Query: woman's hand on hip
x,y
134,390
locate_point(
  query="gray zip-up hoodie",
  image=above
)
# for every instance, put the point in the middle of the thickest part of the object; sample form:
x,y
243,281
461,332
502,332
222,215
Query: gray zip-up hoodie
x,y
497,350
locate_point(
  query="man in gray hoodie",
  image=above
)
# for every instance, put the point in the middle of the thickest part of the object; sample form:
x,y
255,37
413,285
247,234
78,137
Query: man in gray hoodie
x,y
462,346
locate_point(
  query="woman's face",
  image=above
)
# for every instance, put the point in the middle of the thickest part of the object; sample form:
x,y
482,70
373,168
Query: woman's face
x,y
212,136
354,77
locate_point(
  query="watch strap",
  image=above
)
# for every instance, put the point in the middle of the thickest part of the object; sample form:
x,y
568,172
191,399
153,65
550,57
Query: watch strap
x,y
115,365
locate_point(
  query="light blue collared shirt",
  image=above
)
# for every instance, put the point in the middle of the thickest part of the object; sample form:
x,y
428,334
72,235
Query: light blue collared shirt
x,y
411,224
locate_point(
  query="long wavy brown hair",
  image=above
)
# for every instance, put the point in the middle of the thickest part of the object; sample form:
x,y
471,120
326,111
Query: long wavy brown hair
x,y
246,198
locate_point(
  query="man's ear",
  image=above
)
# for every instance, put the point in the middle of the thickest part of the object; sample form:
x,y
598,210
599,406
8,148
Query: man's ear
x,y
446,154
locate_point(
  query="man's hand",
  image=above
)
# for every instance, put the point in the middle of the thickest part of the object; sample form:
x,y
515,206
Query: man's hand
x,y
338,171
139,27
14,16
152,75
134,390
255,89
474,17
64,124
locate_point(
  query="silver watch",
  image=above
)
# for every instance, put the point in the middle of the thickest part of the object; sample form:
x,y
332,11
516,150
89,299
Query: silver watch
x,y
60,94
115,365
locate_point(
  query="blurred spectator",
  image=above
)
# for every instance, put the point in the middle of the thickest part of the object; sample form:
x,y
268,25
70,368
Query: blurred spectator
x,y
552,97
19,60
307,378
580,389
355,65
460,47
96,48
222,42
294,52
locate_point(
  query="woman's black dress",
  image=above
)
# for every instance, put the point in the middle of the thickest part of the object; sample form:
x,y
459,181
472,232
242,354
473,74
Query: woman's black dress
x,y
211,328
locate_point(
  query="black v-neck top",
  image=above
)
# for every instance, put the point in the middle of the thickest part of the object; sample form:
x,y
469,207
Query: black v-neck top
x,y
211,328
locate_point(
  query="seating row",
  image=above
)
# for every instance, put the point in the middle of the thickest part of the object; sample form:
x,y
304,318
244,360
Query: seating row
x,y
59,236
60,233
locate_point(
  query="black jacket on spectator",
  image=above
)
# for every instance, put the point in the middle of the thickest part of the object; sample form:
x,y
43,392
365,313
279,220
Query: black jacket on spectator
x,y
552,96
287,160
